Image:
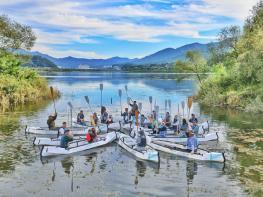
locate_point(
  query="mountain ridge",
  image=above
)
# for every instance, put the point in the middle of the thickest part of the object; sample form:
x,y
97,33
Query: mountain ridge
x,y
164,56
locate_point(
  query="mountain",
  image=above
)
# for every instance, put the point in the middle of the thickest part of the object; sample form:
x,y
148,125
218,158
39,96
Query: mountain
x,y
168,55
38,61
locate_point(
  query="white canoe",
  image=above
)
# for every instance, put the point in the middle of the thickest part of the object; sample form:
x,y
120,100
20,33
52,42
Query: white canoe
x,y
129,144
180,150
175,139
75,131
113,126
77,146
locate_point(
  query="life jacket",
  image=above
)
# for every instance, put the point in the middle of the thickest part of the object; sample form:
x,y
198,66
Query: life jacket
x,y
89,138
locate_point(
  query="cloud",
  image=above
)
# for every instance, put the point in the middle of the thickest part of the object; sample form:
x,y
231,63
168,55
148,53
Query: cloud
x,y
65,22
64,53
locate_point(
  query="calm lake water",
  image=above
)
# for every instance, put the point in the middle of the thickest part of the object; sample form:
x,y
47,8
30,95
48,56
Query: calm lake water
x,y
110,170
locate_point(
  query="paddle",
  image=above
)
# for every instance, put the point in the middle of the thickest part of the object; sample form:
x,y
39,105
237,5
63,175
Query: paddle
x,y
52,95
170,105
70,107
87,100
120,94
101,89
189,104
166,102
126,89
151,101
140,107
183,105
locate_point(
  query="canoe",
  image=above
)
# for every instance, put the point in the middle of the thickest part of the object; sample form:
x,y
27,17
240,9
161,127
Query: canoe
x,y
77,146
129,144
46,131
180,150
175,139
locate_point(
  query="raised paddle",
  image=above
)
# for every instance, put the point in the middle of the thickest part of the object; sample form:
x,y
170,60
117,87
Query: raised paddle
x,y
165,105
183,105
52,95
120,94
151,101
170,105
189,104
87,100
101,89
70,107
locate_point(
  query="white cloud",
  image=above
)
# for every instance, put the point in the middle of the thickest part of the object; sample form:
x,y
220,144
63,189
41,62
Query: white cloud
x,y
76,21
64,53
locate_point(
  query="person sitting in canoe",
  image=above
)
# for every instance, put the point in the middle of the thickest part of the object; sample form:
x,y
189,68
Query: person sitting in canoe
x,y
195,128
141,140
193,119
91,135
184,128
110,120
175,125
51,121
125,116
66,138
191,143
62,129
167,119
80,118
95,118
143,120
104,114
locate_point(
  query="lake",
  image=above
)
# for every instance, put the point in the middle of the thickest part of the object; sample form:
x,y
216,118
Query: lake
x,y
110,170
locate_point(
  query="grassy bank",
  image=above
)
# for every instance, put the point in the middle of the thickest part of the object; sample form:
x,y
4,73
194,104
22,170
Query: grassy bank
x,y
20,85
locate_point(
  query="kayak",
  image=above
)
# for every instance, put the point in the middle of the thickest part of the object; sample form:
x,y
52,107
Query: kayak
x,y
77,146
180,150
129,144
75,130
176,139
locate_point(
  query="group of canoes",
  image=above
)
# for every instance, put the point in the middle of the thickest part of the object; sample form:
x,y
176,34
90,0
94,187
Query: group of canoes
x,y
141,135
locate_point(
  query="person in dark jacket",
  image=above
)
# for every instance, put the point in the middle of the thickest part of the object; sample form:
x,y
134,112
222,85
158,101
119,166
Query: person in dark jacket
x,y
51,121
141,140
125,116
66,138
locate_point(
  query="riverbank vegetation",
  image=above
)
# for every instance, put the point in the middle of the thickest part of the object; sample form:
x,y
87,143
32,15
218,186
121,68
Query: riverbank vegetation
x,y
18,85
237,66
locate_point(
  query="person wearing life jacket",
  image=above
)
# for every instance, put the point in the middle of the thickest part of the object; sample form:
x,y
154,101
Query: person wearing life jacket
x,y
143,120
195,128
95,118
141,140
191,143
193,119
125,116
80,118
66,138
167,119
110,120
104,114
51,121
175,124
62,129
184,128
134,108
91,135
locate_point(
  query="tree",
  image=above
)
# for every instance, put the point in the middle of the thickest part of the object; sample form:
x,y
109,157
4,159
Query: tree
x,y
14,35
195,63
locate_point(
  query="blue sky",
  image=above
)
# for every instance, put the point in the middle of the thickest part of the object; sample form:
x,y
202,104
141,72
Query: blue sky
x,y
126,28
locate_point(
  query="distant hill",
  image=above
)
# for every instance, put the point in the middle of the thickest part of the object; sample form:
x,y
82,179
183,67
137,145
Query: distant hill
x,y
38,61
168,55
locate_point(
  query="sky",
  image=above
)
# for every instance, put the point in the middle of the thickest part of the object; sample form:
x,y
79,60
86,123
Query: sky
x,y
125,28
